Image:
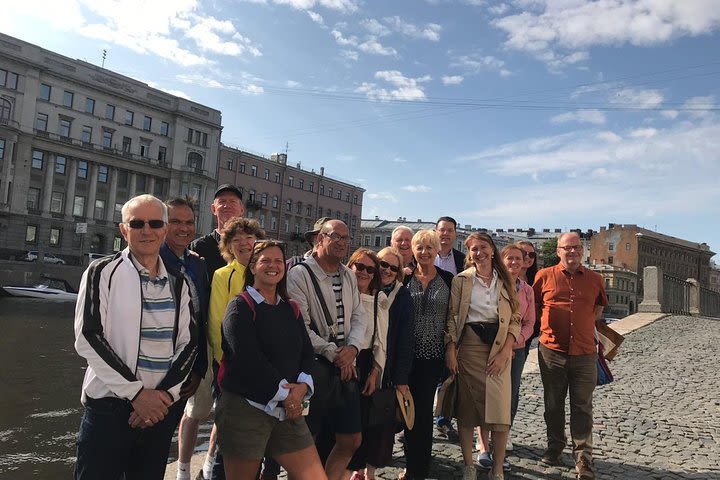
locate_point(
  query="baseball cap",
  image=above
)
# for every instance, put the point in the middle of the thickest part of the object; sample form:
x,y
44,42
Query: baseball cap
x,y
316,228
227,187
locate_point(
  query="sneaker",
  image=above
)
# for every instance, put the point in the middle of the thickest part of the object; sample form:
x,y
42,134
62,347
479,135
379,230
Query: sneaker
x,y
495,476
585,469
509,444
551,458
506,465
484,460
469,472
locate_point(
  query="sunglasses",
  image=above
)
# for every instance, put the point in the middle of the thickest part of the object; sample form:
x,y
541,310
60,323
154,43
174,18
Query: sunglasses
x,y
361,267
392,268
139,224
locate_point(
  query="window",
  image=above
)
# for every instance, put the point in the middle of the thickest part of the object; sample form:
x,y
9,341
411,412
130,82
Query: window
x,y
141,180
267,174
273,224
195,160
354,223
308,210
55,237
117,213
288,205
196,190
68,99
366,240
99,209
610,260
41,122
322,189
57,200
30,233
275,201
162,154
164,128
8,79
87,134
197,137
627,246
263,199
144,149
5,109
301,184
45,90
291,180
90,105
129,117
117,243
253,170
230,164
147,123
204,140
33,199
377,240
127,144
110,112
347,197
60,163
298,208
338,195
64,129
277,177
122,178
2,148
320,211
241,167
251,196
37,159
261,219
287,226
102,174
311,187
82,169
611,247
330,192
107,140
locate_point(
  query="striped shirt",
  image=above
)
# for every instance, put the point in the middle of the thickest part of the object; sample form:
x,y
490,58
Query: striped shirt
x,y
337,288
157,326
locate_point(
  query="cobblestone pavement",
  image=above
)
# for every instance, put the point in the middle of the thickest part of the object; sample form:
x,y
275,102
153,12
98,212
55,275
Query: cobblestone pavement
x,y
660,419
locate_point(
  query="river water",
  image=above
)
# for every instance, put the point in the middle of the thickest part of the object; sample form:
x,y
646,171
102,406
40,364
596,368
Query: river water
x,y
40,380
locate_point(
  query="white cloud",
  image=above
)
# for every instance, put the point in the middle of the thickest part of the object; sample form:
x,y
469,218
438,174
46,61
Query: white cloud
x,y
386,196
341,40
452,79
374,47
207,31
405,88
430,31
581,116
474,64
316,17
399,160
671,114
498,9
632,98
700,107
292,84
350,55
248,86
572,25
375,27
608,136
177,93
643,133
340,5
416,188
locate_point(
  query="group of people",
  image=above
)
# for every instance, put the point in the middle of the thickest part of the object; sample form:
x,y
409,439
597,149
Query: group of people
x,y
293,351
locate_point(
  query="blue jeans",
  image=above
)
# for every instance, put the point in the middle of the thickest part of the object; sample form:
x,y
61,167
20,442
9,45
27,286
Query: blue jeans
x,y
108,448
516,369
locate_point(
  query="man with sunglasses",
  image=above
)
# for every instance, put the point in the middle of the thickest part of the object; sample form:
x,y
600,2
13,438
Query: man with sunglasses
x,y
197,390
338,331
135,326
570,299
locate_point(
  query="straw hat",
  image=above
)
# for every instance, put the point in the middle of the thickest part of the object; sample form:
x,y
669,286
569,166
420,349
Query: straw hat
x,y
407,408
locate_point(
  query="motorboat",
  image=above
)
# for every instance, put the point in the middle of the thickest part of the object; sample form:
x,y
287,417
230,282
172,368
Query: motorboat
x,y
52,289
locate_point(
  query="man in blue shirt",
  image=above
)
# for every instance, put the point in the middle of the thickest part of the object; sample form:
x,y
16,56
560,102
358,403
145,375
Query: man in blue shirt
x,y
196,391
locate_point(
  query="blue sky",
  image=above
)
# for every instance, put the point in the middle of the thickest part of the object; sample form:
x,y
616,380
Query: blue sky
x,y
516,114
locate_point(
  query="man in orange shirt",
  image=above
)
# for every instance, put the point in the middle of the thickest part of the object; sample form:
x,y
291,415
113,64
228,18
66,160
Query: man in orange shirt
x,y
571,299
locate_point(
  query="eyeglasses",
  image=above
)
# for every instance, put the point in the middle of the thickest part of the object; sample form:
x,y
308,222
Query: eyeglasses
x,y
338,238
392,268
139,224
570,248
361,267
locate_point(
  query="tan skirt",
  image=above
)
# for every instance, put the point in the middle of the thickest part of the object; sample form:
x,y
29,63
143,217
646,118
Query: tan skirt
x,y
471,409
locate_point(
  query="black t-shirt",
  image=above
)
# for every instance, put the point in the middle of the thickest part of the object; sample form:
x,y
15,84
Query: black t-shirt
x,y
207,247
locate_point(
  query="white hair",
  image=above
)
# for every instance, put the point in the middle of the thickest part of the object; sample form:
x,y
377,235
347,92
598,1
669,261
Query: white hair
x,y
143,199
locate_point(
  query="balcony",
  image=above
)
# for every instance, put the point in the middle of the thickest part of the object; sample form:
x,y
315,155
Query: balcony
x,y
253,204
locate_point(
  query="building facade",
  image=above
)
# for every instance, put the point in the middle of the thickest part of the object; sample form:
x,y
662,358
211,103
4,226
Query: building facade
x,y
621,289
634,248
286,199
77,141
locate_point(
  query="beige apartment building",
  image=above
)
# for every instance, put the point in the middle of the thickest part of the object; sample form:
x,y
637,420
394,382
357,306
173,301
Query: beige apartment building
x,y
286,199
77,141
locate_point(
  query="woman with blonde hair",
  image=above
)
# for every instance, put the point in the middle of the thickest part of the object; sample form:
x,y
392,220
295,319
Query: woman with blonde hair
x,y
392,352
482,326
429,289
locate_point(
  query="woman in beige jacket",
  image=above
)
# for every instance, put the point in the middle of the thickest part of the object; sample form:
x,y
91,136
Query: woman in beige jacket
x,y
483,324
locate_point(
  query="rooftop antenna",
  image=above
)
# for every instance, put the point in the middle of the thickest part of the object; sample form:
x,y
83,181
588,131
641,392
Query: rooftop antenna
x,y
104,56
287,147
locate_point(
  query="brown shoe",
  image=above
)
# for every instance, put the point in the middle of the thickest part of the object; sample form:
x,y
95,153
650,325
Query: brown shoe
x,y
585,469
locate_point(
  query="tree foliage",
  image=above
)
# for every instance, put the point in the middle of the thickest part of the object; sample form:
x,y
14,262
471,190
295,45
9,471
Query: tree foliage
x,y
549,254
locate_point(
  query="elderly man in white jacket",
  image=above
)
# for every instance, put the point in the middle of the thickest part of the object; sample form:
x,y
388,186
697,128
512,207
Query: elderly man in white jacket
x,y
135,327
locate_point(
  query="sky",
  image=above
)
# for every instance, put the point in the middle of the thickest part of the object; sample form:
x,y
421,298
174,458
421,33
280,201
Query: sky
x,y
511,114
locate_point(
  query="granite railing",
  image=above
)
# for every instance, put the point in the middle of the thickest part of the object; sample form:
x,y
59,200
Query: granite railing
x,y
664,293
